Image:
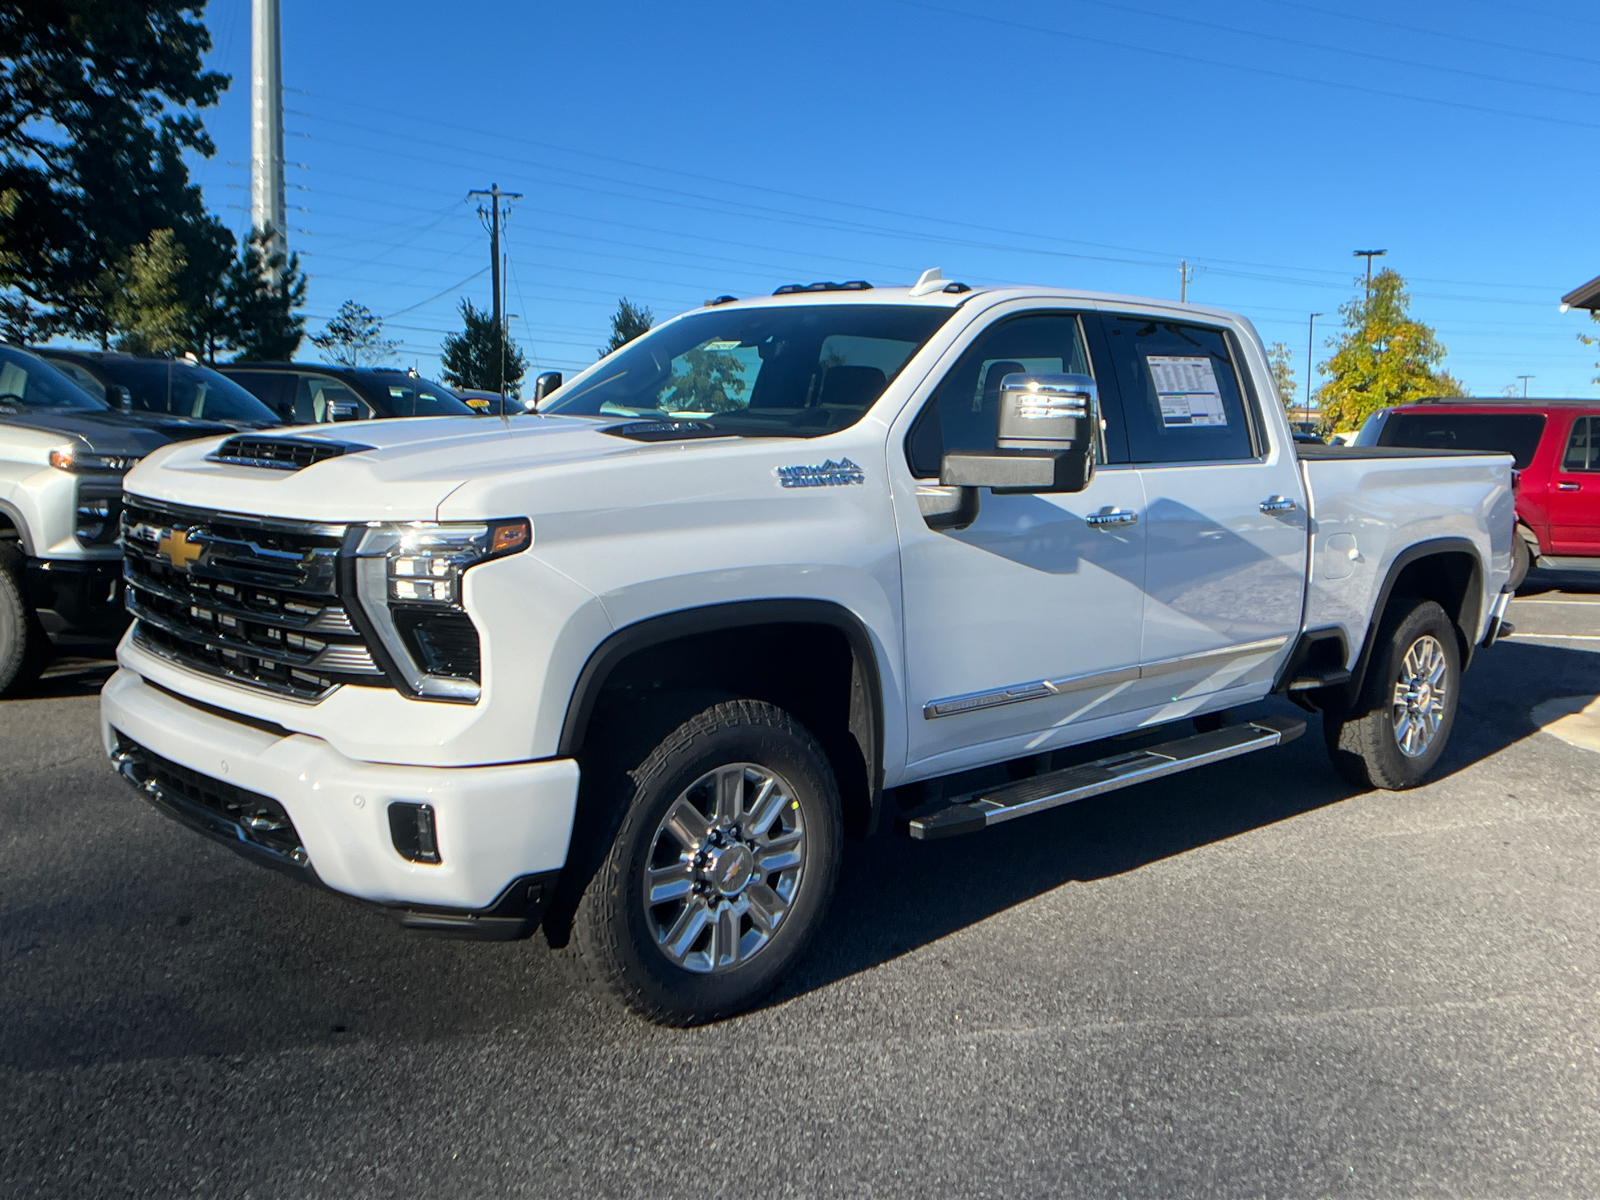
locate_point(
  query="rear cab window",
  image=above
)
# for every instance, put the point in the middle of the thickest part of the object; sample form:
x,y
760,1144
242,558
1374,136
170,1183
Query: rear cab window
x,y
1182,399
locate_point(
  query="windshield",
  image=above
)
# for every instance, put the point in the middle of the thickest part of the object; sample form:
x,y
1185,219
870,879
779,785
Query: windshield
x,y
30,382
410,396
785,371
182,389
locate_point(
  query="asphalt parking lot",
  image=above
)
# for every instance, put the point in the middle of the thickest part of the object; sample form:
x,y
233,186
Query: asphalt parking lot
x,y
1246,981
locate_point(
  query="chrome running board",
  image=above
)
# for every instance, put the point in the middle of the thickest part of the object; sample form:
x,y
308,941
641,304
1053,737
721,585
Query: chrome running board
x,y
990,806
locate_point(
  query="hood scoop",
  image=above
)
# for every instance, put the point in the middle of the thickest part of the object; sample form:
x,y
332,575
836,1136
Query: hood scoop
x,y
280,453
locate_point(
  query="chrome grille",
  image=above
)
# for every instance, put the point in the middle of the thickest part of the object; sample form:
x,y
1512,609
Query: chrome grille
x,y
251,601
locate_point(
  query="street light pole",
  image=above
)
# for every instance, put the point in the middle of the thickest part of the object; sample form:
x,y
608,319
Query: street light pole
x,y
1311,333
1525,379
1369,255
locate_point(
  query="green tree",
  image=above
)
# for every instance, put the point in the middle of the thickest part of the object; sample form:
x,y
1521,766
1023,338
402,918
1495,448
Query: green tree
x,y
147,308
628,322
354,337
713,383
99,103
481,356
1590,339
1384,357
1280,360
261,301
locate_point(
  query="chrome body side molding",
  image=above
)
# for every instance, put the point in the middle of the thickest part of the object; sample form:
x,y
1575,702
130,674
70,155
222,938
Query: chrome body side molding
x,y
951,706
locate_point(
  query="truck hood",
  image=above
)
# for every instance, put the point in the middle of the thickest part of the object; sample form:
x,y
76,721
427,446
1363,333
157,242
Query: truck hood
x,y
388,470
108,433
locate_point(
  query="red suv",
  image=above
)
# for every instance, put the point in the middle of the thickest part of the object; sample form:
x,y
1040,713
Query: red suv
x,y
1556,445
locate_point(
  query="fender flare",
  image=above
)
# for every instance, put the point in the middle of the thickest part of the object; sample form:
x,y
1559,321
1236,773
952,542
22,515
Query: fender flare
x,y
866,719
1466,622
12,513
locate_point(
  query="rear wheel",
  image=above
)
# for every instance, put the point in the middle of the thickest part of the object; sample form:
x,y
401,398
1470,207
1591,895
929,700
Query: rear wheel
x,y
1399,730
24,646
721,871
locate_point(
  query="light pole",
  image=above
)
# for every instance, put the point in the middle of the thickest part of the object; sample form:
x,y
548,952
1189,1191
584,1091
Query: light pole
x,y
1525,379
1311,333
1369,255
267,210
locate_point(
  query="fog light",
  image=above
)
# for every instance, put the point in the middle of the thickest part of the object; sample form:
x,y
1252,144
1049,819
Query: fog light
x,y
412,830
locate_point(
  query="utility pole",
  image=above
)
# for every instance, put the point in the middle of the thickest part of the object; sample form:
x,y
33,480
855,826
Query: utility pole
x,y
1311,335
1369,255
495,196
268,211
1525,379
1185,277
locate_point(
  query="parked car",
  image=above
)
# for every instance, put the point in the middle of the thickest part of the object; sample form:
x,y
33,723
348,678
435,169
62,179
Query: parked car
x,y
63,454
636,670
1556,447
165,387
321,393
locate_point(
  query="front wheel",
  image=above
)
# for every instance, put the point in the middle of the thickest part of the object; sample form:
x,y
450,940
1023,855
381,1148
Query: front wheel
x,y
722,869
1399,729
24,645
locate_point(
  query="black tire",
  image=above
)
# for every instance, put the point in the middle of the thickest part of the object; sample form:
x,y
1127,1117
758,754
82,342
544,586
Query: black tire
x,y
1521,559
1363,744
617,939
25,649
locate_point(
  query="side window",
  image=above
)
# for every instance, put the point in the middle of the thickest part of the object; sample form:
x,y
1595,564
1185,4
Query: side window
x,y
275,389
319,400
1181,397
963,412
1583,446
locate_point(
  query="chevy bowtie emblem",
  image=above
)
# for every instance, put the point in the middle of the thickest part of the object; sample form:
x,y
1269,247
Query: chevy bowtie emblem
x,y
178,548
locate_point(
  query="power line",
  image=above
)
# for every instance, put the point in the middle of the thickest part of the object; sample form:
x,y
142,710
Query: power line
x,y
1437,33
1249,70
1327,49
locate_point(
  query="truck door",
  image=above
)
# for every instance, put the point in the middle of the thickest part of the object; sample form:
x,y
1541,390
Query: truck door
x,y
1022,629
1225,513
1574,496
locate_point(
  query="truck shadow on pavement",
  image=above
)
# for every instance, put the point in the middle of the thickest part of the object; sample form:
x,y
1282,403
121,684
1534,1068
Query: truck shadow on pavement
x,y
139,940
896,895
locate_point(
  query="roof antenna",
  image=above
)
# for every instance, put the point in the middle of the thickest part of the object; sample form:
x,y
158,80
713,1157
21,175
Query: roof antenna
x,y
930,281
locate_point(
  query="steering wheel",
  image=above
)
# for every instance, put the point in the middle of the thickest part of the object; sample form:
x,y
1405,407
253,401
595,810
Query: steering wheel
x,y
11,402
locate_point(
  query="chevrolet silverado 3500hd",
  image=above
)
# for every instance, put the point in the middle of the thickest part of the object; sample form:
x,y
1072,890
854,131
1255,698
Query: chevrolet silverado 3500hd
x,y
634,666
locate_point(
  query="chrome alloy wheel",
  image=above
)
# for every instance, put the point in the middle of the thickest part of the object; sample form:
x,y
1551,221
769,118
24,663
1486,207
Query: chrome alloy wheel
x,y
724,868
1419,696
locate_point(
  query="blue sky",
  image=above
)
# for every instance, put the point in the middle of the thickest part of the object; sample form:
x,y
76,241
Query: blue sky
x,y
672,153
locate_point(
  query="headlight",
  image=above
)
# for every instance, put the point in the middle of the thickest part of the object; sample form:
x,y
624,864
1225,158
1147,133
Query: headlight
x,y
408,577
70,458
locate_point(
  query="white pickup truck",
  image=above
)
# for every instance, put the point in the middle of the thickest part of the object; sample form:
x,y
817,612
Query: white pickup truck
x,y
775,574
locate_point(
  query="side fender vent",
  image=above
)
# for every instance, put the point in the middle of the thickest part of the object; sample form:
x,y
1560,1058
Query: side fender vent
x,y
279,454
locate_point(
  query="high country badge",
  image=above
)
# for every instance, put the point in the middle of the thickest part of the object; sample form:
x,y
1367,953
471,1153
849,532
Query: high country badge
x,y
829,474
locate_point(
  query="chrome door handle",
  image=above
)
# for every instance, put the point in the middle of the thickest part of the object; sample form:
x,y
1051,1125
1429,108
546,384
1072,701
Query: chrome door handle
x,y
1569,487
1278,504
1112,518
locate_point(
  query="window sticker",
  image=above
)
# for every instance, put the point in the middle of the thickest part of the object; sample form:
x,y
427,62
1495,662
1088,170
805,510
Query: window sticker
x,y
1187,389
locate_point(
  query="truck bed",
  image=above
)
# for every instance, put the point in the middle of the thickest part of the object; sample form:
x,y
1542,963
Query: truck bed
x,y
1369,504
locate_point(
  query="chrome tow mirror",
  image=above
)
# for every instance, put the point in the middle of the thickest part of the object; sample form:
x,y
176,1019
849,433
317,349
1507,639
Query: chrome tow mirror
x,y
1047,430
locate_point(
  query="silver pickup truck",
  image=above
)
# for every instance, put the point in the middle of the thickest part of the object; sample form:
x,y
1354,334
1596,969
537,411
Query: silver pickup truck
x,y
775,574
